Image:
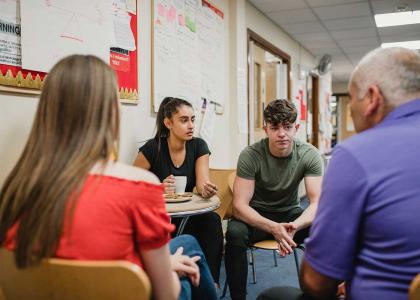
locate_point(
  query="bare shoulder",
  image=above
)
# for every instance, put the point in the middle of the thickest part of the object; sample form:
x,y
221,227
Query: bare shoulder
x,y
121,170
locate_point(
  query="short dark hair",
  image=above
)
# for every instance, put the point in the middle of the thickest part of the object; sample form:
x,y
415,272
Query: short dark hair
x,y
280,111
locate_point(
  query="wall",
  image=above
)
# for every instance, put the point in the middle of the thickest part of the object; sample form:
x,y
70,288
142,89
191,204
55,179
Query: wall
x,y
264,27
16,116
339,88
137,121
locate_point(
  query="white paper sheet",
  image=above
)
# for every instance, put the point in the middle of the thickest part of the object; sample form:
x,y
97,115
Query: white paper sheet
x,y
53,29
10,50
10,8
207,127
122,36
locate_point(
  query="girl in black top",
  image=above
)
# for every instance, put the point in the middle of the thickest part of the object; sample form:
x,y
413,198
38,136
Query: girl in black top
x,y
175,152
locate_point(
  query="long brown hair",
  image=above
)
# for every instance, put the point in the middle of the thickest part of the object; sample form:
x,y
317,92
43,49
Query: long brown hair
x,y
75,126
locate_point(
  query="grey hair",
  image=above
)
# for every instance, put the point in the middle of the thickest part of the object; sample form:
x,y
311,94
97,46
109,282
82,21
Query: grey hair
x,y
396,72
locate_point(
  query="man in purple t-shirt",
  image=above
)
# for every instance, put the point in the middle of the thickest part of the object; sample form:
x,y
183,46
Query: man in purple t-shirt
x,y
366,231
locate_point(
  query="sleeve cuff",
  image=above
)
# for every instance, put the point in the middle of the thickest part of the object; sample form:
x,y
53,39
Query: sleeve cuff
x,y
155,244
326,269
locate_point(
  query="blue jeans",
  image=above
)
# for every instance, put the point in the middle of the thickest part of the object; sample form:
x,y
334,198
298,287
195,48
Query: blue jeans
x,y
206,289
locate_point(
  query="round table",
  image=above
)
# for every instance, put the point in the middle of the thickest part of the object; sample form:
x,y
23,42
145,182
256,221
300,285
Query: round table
x,y
196,206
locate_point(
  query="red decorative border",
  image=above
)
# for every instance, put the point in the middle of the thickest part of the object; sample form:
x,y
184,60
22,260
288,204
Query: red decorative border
x,y
127,80
212,7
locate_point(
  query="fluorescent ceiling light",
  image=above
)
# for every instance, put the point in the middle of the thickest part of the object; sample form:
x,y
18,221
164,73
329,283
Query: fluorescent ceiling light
x,y
407,44
398,18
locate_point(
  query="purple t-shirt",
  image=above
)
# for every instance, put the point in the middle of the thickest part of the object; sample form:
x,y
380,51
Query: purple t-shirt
x,y
367,228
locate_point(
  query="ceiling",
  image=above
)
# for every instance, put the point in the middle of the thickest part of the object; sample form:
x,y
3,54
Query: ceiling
x,y
343,28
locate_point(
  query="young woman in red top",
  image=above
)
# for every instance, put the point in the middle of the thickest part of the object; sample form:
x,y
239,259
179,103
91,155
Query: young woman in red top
x,y
67,198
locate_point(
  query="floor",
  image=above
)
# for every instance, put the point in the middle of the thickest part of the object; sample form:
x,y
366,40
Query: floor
x,y
267,274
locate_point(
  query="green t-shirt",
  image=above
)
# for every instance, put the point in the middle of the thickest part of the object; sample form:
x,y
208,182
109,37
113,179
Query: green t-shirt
x,y
277,178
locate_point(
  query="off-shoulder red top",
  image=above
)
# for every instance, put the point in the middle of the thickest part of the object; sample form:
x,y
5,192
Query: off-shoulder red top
x,y
113,219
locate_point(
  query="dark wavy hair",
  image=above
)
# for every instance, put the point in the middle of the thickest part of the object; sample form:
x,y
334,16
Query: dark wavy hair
x,y
280,111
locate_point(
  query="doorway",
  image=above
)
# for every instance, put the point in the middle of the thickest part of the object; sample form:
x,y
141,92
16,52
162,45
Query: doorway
x,y
312,120
345,126
268,78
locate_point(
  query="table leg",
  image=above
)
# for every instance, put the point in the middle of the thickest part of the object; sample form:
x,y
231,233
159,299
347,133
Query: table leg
x,y
182,225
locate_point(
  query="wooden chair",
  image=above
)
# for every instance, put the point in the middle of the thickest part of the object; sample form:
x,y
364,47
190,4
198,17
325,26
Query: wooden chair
x,y
61,279
224,181
273,246
414,291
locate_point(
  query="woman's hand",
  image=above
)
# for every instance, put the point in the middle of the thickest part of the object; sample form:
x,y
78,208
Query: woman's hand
x,y
169,184
186,266
209,189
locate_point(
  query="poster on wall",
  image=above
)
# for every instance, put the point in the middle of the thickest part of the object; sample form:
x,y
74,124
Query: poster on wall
x,y
10,52
325,128
188,51
29,46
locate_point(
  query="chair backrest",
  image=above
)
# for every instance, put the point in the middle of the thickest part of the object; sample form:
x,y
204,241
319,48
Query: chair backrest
x,y
414,292
231,180
222,179
62,279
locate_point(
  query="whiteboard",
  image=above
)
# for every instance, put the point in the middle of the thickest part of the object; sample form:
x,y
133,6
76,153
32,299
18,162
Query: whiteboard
x,y
188,51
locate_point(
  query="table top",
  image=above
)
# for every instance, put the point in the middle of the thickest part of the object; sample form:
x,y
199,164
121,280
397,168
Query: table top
x,y
198,205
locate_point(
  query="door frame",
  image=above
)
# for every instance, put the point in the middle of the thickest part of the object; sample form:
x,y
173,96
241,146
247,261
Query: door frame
x,y
253,37
315,110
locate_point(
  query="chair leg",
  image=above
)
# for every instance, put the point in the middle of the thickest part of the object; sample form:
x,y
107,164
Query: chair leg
x,y
250,256
296,261
275,258
224,289
254,274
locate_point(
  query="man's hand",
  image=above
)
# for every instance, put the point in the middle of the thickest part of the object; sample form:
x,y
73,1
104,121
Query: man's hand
x,y
186,266
283,234
341,290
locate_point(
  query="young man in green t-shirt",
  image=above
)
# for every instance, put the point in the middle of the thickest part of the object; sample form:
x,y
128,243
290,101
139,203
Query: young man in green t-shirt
x,y
265,193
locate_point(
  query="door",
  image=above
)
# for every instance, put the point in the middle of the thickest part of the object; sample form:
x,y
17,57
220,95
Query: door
x,y
268,81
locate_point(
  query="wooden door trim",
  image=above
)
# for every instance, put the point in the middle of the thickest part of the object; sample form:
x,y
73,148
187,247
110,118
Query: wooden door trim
x,y
266,45
315,110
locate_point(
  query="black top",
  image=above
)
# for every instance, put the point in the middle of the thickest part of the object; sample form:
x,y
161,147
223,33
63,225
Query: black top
x,y
161,163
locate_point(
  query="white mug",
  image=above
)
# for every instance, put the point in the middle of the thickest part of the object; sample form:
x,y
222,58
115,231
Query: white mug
x,y
180,184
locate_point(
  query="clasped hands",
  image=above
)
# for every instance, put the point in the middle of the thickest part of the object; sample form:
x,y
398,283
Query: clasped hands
x,y
283,233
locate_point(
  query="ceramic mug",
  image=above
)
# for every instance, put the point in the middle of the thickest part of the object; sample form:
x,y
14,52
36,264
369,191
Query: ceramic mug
x,y
180,184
